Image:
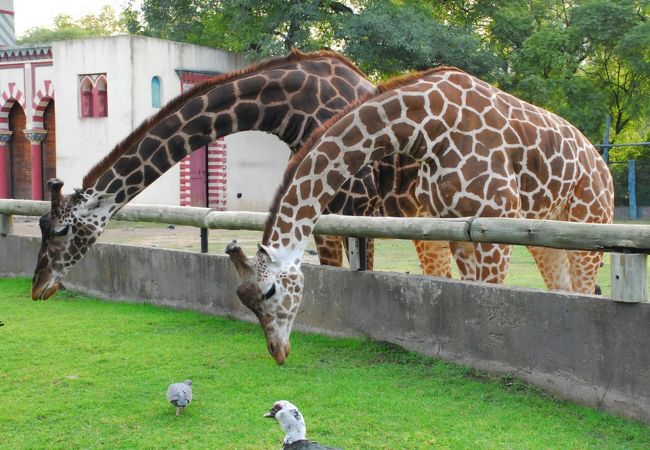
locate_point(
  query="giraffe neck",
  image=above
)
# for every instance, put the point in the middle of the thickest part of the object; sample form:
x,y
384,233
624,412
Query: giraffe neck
x,y
365,134
289,101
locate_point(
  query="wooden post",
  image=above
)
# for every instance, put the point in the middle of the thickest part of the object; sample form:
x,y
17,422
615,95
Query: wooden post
x,y
6,224
354,253
629,277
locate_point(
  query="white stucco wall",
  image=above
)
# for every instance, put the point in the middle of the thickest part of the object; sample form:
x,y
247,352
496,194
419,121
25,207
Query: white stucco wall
x,y
14,75
256,162
81,142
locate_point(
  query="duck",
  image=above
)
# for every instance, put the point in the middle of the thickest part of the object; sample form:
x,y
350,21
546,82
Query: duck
x,y
293,425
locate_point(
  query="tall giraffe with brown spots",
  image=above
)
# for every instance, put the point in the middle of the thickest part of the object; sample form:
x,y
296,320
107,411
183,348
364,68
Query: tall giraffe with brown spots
x,y
288,96
481,152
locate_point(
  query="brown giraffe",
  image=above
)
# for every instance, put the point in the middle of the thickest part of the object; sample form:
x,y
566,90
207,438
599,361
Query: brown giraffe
x,y
482,152
288,96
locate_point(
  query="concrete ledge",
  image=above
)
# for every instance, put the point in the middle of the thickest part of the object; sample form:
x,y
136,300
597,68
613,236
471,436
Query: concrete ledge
x,y
583,348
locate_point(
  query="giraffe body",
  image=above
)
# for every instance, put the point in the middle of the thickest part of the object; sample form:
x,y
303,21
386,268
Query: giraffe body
x,y
481,152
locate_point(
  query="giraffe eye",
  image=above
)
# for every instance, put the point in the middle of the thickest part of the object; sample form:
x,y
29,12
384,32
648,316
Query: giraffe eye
x,y
61,231
270,293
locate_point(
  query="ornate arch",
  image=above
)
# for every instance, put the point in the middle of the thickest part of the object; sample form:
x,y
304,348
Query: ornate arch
x,y
41,99
9,97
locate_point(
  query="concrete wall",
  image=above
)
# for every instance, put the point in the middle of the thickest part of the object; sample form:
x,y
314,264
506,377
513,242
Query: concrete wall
x,y
583,348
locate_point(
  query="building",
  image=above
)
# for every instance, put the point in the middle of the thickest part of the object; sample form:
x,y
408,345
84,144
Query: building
x,y
64,106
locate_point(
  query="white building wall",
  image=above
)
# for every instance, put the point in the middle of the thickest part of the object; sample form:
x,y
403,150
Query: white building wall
x,y
157,57
256,162
81,142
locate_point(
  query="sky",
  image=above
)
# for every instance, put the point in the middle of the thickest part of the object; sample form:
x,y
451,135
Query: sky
x,y
38,13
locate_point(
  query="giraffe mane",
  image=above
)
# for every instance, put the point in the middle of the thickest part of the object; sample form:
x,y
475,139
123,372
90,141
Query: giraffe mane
x,y
299,156
199,89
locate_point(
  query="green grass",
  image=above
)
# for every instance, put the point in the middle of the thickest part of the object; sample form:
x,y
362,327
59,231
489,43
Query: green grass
x,y
81,373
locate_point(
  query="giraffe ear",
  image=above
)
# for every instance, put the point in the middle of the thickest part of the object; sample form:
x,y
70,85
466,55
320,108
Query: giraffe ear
x,y
270,252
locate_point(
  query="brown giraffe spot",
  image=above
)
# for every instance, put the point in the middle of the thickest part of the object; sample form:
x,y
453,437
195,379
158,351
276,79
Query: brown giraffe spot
x,y
498,163
114,186
221,97
291,196
125,165
198,125
167,127
517,114
415,108
273,92
150,175
247,114
329,149
450,92
353,160
450,116
352,137
461,79
555,187
470,121
528,183
297,234
134,178
176,148
370,119
306,100
450,157
306,230
477,184
540,201
478,101
403,133
393,109
536,163
327,92
147,147
223,125
192,108
273,118
294,81
579,211
335,179
473,167
250,87
318,188
345,89
305,189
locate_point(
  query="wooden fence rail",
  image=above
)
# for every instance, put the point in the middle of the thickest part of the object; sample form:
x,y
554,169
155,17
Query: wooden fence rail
x,y
623,239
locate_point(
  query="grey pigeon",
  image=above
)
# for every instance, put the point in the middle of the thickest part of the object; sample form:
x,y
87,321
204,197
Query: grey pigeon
x,y
180,395
294,428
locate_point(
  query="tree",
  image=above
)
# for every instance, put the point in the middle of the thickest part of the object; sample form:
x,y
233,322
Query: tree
x,y
388,38
65,27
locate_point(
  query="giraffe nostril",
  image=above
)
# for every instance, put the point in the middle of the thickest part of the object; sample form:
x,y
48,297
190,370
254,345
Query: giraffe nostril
x,y
271,349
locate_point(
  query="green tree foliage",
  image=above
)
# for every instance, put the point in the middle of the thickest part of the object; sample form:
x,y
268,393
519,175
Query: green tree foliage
x,y
387,38
106,23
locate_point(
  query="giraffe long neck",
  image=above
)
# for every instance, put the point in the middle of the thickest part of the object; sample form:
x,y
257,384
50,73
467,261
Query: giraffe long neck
x,y
364,135
288,101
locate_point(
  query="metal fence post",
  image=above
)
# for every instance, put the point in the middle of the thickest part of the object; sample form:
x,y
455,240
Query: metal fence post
x,y
608,123
629,277
631,188
6,224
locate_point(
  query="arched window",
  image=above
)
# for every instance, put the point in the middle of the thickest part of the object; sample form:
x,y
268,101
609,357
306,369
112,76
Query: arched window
x,y
86,97
101,100
156,96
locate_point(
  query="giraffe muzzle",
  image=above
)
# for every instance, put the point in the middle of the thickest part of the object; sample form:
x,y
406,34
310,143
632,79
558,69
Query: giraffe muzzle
x,y
43,292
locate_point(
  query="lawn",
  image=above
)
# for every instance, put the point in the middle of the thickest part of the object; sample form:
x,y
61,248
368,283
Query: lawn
x,y
82,373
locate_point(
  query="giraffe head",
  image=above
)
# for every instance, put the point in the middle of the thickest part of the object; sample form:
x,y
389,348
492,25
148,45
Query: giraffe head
x,y
72,225
272,290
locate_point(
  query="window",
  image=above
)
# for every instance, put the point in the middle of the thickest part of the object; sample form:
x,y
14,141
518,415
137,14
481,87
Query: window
x,y
86,100
101,99
155,92
93,100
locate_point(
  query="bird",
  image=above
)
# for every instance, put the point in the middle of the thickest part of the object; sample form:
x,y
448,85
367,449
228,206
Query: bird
x,y
180,395
293,425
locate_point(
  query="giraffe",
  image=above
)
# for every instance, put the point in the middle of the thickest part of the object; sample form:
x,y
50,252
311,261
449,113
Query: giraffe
x,y
288,96
481,151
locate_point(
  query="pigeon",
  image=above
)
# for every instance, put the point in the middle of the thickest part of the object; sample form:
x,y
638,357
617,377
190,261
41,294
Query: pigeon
x,y
180,395
293,426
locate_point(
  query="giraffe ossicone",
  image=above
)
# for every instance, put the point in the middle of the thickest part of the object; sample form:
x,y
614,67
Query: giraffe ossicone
x,y
481,151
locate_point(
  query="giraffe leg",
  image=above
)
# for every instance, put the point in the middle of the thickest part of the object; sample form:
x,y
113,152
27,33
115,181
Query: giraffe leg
x,y
330,250
482,262
434,257
583,269
553,265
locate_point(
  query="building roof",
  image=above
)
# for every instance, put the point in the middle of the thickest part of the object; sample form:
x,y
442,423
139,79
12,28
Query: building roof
x,y
25,53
